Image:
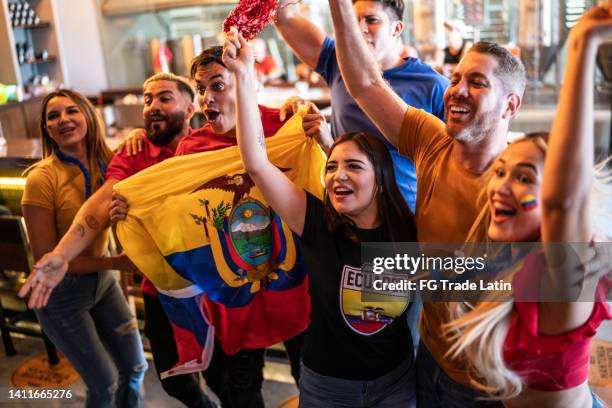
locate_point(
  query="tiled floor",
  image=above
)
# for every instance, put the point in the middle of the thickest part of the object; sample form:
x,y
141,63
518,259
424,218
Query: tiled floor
x,y
278,386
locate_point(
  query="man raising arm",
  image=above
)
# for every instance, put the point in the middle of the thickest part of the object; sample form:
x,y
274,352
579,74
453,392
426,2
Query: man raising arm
x,y
380,24
484,95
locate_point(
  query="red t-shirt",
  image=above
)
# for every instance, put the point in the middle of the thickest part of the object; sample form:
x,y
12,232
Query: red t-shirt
x,y
549,362
205,140
122,167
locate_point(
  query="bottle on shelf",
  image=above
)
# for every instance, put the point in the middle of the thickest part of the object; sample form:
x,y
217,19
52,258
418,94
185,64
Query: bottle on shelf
x,y
21,51
42,55
30,57
22,14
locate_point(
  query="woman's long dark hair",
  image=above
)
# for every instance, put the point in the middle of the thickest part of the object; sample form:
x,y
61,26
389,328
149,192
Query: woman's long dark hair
x,y
397,219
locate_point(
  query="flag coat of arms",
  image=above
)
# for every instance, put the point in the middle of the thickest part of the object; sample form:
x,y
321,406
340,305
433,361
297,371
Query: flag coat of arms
x,y
223,262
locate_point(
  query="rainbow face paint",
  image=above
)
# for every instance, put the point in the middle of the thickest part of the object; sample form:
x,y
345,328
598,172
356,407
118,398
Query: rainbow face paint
x,y
529,202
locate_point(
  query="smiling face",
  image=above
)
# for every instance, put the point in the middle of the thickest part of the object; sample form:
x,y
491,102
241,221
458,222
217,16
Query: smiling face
x,y
514,193
475,102
351,184
165,112
379,29
215,95
65,123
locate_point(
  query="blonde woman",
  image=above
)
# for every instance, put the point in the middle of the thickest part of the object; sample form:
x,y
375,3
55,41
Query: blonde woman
x,y
536,353
86,315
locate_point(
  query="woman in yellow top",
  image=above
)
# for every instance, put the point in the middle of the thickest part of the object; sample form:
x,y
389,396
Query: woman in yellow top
x,y
86,316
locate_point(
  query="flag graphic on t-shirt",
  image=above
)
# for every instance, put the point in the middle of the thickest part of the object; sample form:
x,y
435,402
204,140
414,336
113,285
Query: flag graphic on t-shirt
x,y
366,310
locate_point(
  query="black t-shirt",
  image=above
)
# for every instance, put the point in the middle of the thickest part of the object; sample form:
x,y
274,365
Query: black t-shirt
x,y
347,338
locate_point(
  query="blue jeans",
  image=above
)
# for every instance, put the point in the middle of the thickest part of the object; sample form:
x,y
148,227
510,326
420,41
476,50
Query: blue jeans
x,y
393,390
597,403
89,321
437,390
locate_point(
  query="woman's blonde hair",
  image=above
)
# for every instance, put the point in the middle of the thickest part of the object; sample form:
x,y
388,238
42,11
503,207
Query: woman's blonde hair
x,y
479,332
97,149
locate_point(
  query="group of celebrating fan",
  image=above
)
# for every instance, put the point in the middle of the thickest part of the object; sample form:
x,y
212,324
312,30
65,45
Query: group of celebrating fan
x,y
410,157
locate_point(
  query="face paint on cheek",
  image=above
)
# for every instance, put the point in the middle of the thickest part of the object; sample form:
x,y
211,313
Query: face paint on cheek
x,y
529,202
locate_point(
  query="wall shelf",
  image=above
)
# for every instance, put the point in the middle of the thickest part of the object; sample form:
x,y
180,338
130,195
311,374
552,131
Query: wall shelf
x,y
35,38
32,26
41,61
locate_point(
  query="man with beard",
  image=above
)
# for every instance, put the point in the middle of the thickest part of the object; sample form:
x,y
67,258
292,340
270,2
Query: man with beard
x,y
168,108
217,101
484,95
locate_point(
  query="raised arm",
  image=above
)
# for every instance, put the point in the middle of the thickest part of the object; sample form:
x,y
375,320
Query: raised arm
x,y
568,170
568,175
303,37
362,75
287,199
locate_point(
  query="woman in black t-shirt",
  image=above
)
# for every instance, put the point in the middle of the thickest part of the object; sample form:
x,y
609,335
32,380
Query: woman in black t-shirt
x,y
357,350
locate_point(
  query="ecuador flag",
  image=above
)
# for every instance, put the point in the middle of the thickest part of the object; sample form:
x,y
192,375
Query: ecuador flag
x,y
220,258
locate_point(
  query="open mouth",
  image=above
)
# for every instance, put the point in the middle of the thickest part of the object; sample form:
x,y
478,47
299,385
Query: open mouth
x,y
506,213
211,115
342,191
503,212
157,119
459,110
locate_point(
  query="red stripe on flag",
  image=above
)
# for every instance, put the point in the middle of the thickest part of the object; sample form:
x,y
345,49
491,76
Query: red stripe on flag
x,y
272,317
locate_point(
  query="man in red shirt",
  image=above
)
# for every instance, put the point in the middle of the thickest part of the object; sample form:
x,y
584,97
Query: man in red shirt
x,y
215,95
162,111
168,108
216,98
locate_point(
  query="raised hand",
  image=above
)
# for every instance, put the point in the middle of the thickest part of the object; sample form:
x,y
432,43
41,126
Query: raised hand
x,y
315,126
290,107
595,26
48,272
237,54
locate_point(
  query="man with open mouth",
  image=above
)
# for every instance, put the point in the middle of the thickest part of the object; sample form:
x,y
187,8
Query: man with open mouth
x,y
484,95
215,97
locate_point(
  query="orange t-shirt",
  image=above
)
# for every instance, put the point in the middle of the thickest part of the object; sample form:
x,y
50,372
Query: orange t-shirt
x,y
447,206
60,187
